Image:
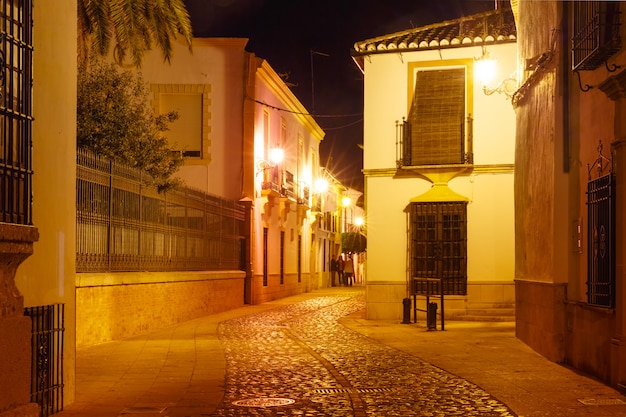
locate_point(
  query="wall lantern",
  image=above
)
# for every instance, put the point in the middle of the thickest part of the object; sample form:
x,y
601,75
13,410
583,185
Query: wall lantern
x,y
321,186
276,156
485,69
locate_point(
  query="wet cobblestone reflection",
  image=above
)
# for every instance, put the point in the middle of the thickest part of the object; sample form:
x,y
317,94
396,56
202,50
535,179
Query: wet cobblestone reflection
x,y
301,352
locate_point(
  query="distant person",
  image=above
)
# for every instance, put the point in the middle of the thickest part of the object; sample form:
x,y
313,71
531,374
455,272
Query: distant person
x,y
340,266
334,266
348,271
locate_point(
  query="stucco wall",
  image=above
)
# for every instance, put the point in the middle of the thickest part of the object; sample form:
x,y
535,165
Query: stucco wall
x,y
488,187
47,277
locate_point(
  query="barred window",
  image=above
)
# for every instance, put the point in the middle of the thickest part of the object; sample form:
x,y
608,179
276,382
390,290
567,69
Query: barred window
x,y
16,111
596,33
601,242
438,244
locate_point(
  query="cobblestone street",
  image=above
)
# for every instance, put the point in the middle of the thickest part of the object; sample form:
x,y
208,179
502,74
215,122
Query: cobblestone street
x,y
297,360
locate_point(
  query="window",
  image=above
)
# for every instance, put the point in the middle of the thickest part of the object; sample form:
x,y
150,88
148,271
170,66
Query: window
x,y
596,33
282,256
265,251
601,242
185,134
435,134
438,244
16,111
299,258
190,134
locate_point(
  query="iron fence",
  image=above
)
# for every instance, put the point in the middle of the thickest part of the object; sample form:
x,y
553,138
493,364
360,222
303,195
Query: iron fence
x,y
46,386
125,224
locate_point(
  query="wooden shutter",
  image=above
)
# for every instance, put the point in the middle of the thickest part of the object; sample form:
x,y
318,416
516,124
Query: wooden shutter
x,y
437,117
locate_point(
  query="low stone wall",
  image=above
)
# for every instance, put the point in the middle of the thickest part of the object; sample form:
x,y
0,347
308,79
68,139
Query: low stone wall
x,y
540,317
113,306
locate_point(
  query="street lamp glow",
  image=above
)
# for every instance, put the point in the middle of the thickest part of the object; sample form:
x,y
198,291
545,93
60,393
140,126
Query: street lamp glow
x,y
485,68
276,155
321,185
346,201
359,221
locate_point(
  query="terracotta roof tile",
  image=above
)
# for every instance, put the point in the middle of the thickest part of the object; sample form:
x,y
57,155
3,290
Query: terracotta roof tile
x,y
495,26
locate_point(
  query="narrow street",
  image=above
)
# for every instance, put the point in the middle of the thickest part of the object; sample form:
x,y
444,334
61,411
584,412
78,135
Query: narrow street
x,y
315,354
298,360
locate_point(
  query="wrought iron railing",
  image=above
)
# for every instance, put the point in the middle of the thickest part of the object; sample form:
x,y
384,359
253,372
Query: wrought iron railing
x,y
48,327
408,152
124,224
596,33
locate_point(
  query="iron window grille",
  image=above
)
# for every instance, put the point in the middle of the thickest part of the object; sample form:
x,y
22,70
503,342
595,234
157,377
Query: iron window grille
x,y
438,247
16,51
596,33
601,242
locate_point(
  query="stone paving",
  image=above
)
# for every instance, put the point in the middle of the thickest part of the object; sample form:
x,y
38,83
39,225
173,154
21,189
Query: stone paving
x,y
297,360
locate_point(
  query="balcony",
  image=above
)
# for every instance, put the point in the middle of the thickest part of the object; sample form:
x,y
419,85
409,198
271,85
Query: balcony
x,y
596,33
429,147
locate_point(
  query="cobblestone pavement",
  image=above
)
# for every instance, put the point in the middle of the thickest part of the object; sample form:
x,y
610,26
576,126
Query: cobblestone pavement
x,y
297,360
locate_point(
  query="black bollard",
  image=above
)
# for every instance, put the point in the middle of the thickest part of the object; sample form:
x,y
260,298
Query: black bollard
x,y
406,306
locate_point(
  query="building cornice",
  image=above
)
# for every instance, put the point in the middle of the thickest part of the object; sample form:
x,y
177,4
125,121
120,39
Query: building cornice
x,y
289,101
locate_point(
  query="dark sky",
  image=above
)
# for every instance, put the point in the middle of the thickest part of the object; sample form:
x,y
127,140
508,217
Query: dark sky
x,y
292,35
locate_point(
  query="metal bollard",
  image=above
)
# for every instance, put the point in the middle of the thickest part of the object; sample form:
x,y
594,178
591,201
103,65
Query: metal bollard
x,y
406,306
431,316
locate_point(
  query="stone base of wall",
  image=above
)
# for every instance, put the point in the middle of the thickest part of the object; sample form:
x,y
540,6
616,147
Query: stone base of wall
x,y
16,244
28,410
15,361
540,317
384,301
588,329
274,290
117,306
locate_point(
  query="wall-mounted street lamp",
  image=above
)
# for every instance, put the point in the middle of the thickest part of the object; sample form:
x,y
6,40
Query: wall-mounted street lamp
x,y
276,156
485,69
321,186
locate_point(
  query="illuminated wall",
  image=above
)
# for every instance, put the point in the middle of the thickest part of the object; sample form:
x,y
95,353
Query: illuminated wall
x,y
487,185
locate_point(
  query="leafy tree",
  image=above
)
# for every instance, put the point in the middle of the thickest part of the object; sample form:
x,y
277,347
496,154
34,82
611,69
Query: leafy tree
x,y
353,242
132,26
115,120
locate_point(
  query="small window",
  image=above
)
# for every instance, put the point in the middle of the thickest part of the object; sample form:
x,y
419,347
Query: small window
x,y
184,134
596,33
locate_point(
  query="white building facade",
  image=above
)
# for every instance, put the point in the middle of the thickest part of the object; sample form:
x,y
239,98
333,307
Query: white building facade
x,y
438,165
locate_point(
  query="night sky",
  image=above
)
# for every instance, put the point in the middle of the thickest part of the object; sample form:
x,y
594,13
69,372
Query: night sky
x,y
295,36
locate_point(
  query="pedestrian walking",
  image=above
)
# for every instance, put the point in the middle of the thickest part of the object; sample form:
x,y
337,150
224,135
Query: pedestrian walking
x,y
333,271
340,266
348,271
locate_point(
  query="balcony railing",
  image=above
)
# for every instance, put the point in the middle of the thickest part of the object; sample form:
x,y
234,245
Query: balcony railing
x,y
458,149
287,188
596,33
